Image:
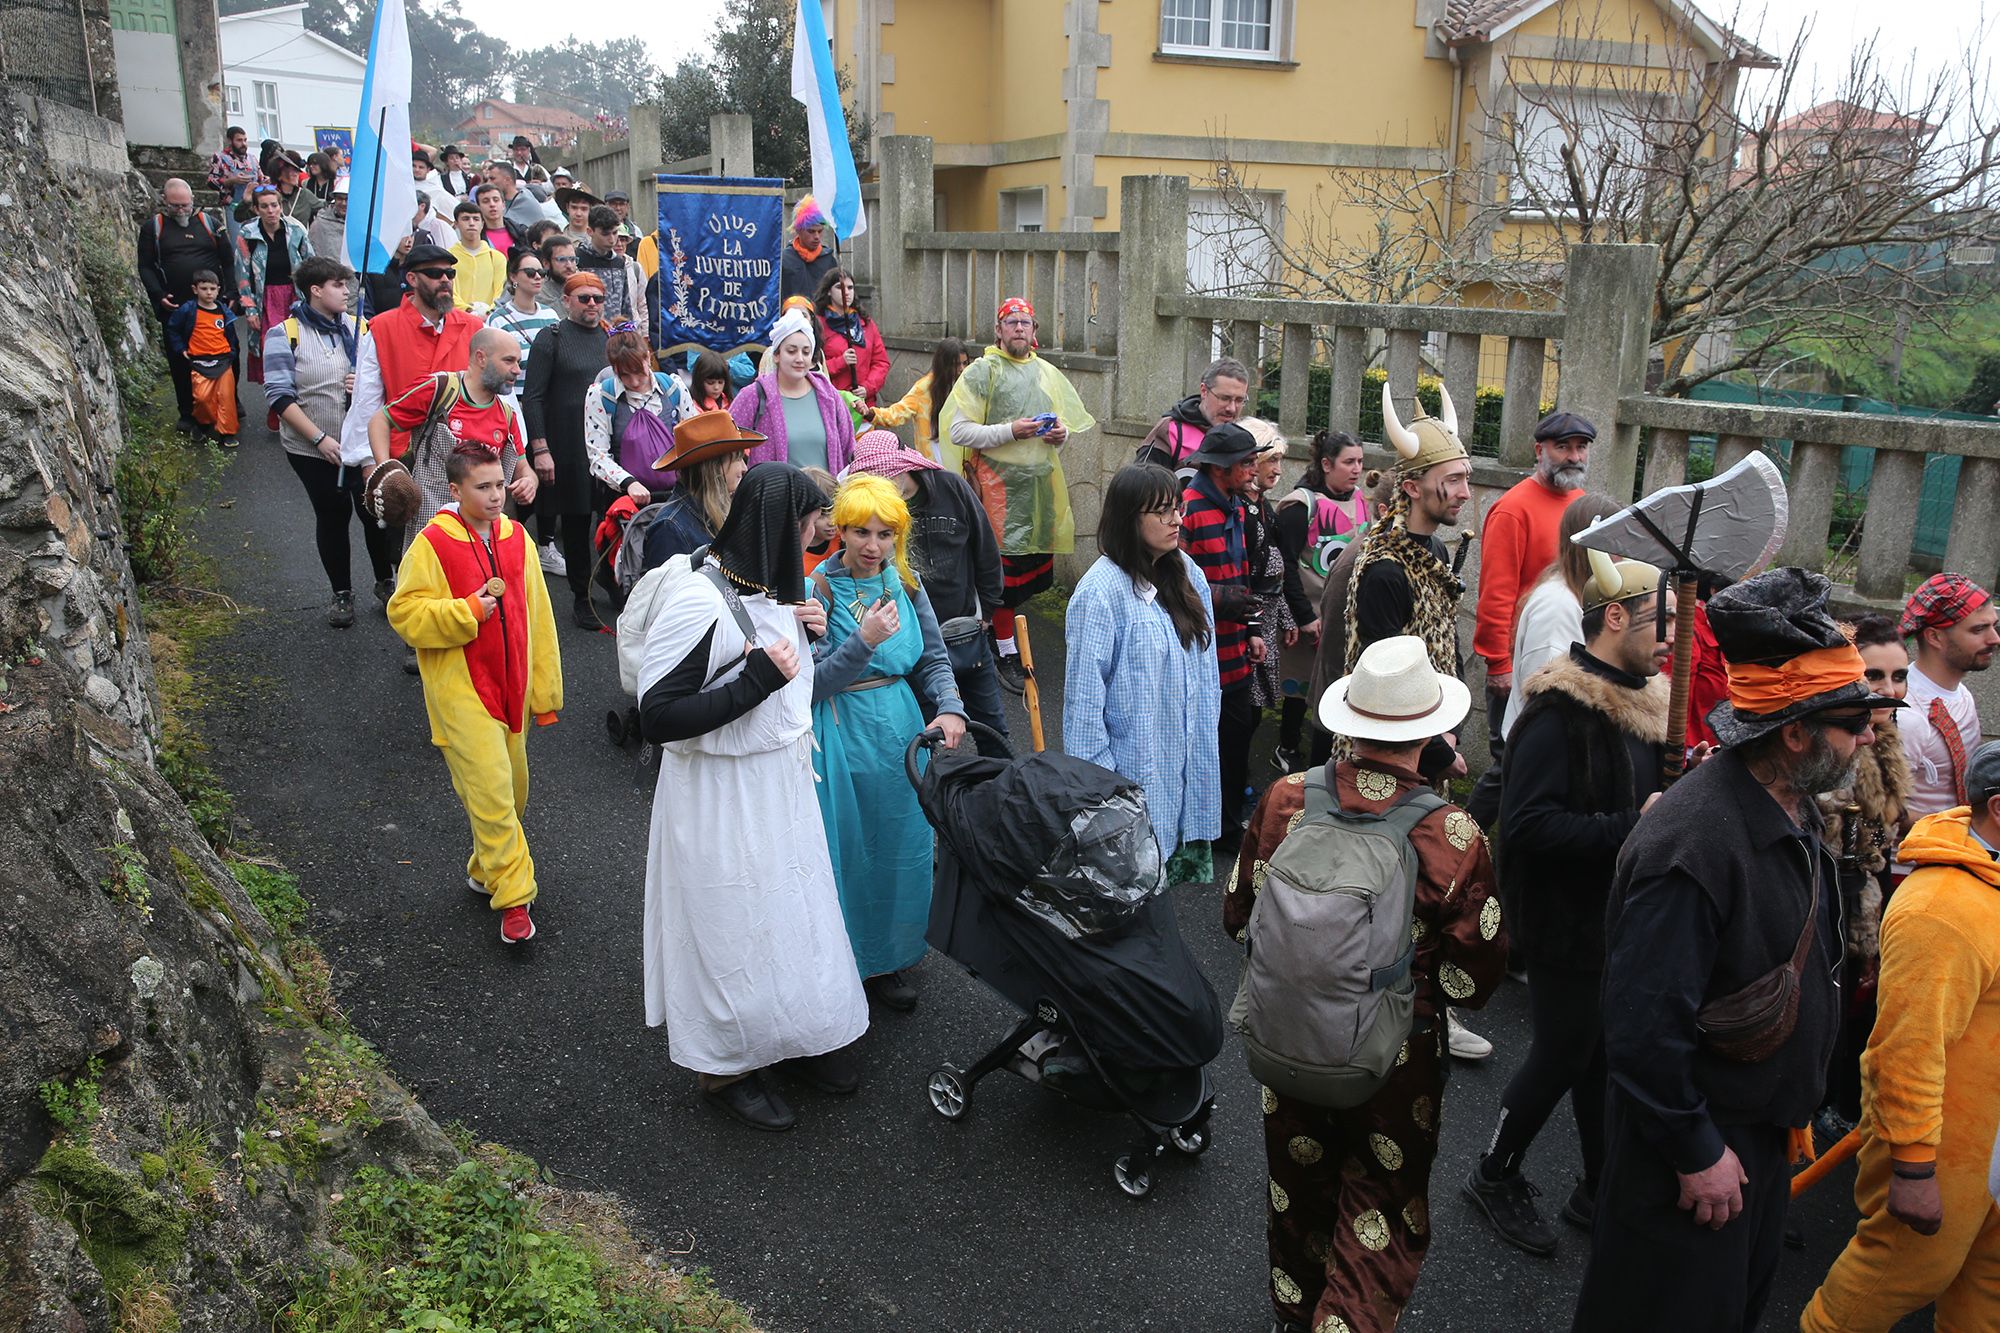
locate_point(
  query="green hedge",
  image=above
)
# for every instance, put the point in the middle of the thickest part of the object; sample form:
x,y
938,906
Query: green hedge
x,y
1482,442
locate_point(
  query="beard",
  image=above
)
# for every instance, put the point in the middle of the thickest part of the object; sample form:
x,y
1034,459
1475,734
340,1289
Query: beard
x,y
1820,770
495,379
1568,477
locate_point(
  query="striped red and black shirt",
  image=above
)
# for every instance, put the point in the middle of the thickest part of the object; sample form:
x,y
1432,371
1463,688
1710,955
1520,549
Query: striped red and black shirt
x,y
1212,535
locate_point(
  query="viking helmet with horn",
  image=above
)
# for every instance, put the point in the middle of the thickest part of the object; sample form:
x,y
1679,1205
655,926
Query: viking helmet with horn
x,y
1617,580
1426,441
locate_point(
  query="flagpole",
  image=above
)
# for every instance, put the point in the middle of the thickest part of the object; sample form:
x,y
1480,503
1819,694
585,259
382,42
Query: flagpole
x,y
374,193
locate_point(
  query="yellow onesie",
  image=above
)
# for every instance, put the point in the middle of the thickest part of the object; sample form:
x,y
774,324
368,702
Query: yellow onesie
x,y
482,681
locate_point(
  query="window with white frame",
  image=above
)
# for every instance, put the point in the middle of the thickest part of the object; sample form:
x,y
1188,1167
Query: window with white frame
x,y
235,99
267,110
1230,240
1243,29
1024,209
1603,129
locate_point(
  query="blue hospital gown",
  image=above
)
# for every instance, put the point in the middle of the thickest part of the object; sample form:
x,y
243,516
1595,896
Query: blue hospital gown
x,y
1136,702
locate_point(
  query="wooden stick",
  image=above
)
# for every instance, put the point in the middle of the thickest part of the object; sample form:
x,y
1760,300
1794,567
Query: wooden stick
x,y
1032,695
1674,752
1817,1169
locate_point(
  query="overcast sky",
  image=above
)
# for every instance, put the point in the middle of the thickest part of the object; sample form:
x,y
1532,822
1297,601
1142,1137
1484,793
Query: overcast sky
x,y
1932,33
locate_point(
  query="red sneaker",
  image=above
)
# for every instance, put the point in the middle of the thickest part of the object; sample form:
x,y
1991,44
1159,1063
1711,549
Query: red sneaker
x,y
516,926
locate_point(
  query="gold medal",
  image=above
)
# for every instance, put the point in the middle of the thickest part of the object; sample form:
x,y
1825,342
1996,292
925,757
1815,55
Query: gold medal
x,y
495,586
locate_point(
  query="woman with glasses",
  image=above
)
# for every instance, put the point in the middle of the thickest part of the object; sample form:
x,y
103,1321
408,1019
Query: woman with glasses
x,y
521,312
1877,798
268,248
560,374
1143,693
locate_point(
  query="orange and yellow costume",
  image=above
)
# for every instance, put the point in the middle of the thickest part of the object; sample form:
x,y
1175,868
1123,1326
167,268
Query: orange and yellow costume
x,y
1930,1092
484,676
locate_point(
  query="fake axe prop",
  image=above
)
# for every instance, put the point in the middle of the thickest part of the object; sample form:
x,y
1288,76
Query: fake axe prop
x,y
1724,528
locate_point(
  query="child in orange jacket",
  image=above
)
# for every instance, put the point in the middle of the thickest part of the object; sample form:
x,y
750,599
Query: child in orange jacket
x,y
470,600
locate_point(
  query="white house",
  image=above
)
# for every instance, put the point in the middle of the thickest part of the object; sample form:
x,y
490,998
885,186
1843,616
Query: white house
x,y
282,82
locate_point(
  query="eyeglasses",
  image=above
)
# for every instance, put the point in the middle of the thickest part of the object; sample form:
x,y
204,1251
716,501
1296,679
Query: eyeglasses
x,y
1236,400
1851,723
436,274
1875,676
1173,511
589,298
625,326
1017,323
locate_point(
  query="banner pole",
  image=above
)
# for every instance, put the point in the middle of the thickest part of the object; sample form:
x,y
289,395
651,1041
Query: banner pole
x,y
374,193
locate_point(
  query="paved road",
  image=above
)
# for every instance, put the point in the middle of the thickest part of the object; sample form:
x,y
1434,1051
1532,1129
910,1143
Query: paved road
x,y
874,1214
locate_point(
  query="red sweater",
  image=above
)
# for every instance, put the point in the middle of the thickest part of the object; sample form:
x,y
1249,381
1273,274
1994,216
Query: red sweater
x,y
407,349
1518,543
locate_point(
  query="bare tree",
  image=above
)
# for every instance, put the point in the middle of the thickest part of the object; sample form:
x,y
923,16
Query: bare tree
x,y
1781,216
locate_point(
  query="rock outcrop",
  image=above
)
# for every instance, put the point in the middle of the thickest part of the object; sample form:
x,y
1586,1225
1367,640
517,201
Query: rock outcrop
x,y
178,1095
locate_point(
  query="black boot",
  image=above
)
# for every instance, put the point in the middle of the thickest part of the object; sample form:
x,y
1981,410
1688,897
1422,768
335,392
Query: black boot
x,y
837,1072
893,990
748,1100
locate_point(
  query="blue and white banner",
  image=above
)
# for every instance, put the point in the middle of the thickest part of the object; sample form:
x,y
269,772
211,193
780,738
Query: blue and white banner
x,y
720,239
381,194
836,184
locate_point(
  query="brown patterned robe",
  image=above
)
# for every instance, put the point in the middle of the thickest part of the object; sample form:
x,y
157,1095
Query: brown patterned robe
x,y
1348,1203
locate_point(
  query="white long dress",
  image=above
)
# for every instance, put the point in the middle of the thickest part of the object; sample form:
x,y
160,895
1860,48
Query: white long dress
x,y
747,959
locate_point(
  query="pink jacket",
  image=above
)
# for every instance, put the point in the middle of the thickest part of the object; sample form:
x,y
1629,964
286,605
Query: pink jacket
x,y
760,408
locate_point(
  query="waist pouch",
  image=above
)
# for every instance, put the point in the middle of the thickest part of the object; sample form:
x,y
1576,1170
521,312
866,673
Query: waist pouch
x,y
964,642
1750,1024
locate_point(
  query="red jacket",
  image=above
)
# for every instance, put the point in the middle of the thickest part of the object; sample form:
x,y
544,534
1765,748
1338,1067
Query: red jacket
x,y
871,366
407,350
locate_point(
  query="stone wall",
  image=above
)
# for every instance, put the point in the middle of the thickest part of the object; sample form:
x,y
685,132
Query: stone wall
x,y
64,581
133,966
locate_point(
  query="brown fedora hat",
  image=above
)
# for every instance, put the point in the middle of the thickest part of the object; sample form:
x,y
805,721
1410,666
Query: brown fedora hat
x,y
704,436
568,195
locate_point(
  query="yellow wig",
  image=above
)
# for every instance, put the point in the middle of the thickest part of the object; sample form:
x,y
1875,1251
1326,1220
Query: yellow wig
x,y
864,497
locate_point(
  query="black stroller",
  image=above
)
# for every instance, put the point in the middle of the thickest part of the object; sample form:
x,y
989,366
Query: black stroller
x,y
1049,889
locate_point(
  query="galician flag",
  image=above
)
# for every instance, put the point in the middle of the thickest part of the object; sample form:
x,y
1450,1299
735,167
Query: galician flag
x,y
836,184
381,194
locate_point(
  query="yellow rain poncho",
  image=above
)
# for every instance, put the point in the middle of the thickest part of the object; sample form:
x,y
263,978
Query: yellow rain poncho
x,y
1020,483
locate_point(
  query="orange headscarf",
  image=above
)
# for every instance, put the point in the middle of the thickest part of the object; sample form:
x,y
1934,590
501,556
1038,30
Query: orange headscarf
x,y
1767,689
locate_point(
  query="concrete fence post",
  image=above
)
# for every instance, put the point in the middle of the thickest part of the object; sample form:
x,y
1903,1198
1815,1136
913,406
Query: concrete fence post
x,y
1152,262
731,145
642,143
904,205
1607,332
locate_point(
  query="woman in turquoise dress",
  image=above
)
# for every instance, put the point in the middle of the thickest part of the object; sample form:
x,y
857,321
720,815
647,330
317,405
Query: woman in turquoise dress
x,y
881,635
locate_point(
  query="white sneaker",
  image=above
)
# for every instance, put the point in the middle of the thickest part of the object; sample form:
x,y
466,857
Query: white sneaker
x,y
553,562
1462,1041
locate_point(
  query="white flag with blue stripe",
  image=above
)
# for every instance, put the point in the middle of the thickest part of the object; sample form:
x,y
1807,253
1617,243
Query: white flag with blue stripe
x,y
836,184
381,193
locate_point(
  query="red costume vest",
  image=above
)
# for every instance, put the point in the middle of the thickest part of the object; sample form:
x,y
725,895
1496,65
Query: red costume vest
x,y
497,660
407,350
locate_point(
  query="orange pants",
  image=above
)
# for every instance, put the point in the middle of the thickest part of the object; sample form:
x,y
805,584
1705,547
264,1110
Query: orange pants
x,y
1888,1270
215,398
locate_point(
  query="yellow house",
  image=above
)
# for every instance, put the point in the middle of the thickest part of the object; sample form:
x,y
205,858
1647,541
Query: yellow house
x,y
1301,124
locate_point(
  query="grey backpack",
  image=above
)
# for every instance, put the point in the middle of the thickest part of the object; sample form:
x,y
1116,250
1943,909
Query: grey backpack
x,y
1326,999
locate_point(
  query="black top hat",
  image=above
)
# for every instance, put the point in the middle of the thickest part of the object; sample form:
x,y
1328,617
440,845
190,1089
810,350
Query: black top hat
x,y
1224,446
1768,620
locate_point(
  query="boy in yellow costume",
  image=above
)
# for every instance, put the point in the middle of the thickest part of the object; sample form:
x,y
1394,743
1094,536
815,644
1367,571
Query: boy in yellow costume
x,y
470,600
1930,1086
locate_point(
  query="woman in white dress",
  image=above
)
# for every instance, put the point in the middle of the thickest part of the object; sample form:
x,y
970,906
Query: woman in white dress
x,y
747,959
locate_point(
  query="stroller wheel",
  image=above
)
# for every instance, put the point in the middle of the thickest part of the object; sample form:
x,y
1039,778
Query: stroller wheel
x,y
948,1093
1190,1139
614,725
1132,1177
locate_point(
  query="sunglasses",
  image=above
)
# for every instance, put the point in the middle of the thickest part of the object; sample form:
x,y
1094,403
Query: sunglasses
x,y
1851,723
526,272
589,298
1875,676
436,274
625,327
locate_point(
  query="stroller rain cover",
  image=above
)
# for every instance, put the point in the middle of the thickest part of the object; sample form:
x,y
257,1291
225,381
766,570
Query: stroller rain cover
x,y
1066,851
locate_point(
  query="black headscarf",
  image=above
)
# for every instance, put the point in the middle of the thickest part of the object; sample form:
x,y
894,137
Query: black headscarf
x,y
759,541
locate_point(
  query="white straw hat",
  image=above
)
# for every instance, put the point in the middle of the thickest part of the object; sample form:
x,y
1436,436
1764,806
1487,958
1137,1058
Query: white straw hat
x,y
1394,695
